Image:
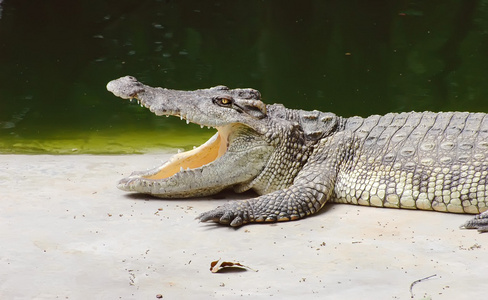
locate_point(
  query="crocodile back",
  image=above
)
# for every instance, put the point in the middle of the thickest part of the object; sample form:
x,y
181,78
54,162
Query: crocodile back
x,y
433,161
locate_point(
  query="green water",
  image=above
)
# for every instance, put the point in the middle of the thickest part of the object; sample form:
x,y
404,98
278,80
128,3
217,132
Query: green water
x,y
348,57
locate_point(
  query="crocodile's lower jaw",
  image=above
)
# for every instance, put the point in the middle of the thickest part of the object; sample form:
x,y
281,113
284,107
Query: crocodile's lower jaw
x,y
205,154
214,166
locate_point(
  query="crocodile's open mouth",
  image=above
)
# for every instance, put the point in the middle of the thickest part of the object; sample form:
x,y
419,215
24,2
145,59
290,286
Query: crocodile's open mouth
x,y
208,152
233,157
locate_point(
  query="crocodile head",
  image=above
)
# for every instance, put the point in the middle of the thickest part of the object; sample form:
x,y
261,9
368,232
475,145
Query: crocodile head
x,y
234,157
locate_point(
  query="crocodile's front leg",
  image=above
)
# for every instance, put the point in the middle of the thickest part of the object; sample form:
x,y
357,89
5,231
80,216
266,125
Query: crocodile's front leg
x,y
479,222
312,188
284,205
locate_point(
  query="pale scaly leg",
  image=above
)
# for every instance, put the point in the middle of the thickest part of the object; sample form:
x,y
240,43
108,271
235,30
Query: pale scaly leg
x,y
479,222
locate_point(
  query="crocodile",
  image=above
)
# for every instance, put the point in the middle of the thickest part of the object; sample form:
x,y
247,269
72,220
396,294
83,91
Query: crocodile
x,y
297,160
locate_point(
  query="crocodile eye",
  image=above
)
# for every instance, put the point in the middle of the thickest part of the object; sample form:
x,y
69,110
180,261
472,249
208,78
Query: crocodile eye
x,y
223,101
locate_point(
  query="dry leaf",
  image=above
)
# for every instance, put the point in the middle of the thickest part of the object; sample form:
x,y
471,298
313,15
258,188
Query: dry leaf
x,y
219,265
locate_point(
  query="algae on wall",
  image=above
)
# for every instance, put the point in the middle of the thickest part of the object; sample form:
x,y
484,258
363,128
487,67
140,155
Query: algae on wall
x,y
351,58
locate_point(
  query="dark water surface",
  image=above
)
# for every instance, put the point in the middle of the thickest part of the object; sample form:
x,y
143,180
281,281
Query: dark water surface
x,y
347,57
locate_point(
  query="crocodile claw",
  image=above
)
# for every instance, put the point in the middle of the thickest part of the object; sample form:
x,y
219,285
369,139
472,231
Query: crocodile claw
x,y
479,222
233,213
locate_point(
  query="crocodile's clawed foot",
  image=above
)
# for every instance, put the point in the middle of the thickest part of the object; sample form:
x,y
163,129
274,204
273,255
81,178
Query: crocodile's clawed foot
x,y
479,222
233,213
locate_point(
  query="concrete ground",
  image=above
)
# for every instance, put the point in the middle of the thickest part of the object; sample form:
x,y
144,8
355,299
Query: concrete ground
x,y
68,233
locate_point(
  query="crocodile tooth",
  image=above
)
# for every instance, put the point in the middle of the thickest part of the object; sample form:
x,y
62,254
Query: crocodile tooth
x,y
201,126
188,169
179,150
181,117
181,169
187,122
194,147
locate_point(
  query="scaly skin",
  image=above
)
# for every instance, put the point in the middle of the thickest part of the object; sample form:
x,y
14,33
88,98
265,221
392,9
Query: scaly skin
x,y
299,160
